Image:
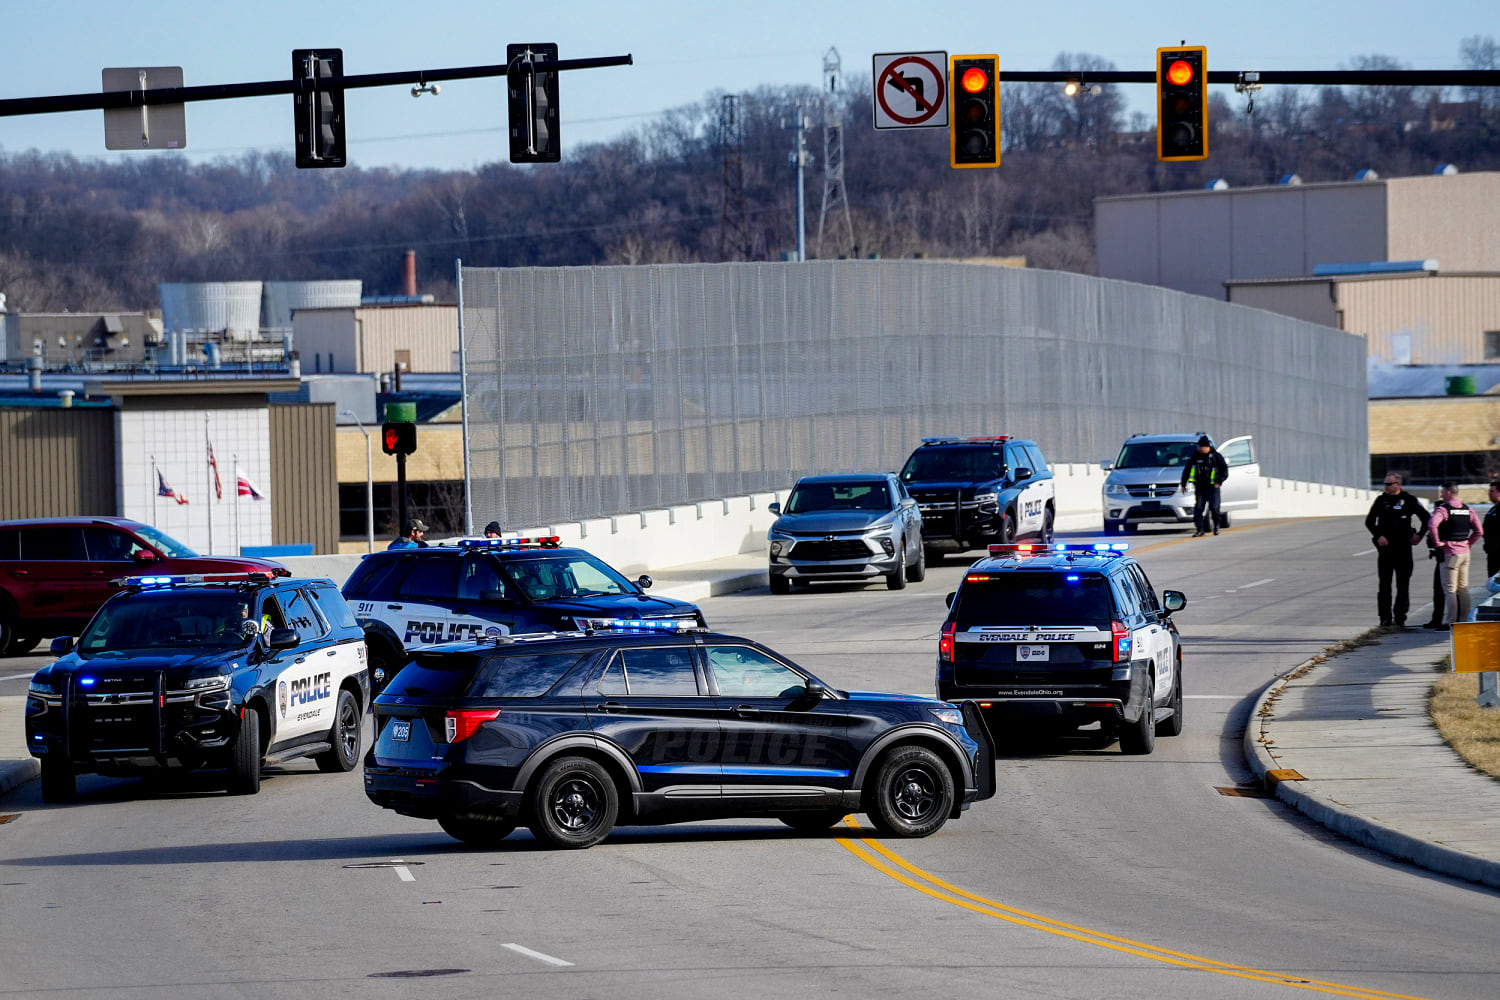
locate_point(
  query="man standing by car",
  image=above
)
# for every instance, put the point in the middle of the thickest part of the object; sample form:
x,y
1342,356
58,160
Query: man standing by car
x,y
415,529
1491,530
1390,526
1455,527
1208,470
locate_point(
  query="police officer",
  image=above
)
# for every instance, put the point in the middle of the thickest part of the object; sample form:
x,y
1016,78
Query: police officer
x,y
1390,525
1208,470
1491,529
1456,528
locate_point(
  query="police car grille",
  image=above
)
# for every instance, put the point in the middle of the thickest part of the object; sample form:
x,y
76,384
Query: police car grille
x,y
839,548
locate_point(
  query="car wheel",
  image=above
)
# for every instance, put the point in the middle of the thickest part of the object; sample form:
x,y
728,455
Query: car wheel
x,y
917,572
814,821
1007,528
1047,519
780,584
1223,520
7,634
1139,738
933,557
913,793
244,757
1111,529
897,580
343,735
477,829
573,803
59,783
1173,726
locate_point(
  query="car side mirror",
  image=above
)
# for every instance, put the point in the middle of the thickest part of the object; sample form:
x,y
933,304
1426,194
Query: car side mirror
x,y
643,581
812,692
1022,474
774,507
143,556
62,645
1106,465
949,599
908,503
283,638
1173,600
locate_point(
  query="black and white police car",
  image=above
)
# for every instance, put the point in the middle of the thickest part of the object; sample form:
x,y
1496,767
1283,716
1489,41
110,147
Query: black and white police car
x,y
408,599
977,490
228,670
1065,636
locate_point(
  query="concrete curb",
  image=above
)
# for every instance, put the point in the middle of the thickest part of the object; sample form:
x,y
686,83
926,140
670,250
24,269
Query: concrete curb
x,y
15,773
1303,797
699,590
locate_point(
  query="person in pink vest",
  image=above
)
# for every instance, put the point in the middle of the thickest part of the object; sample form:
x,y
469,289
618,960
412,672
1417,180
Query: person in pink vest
x,y
1455,528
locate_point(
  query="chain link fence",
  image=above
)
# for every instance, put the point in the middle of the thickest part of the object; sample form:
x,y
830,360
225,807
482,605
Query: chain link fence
x,y
604,390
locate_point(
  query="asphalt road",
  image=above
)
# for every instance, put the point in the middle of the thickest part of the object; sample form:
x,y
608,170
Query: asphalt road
x,y
1090,874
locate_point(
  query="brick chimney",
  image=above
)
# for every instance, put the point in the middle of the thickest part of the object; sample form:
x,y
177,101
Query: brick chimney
x,y
409,275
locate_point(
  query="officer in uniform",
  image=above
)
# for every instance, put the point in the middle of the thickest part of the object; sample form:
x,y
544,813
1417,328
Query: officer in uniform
x,y
1390,525
1456,528
1491,531
1208,470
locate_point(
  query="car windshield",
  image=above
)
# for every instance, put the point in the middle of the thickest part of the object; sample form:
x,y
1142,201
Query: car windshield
x,y
164,543
1155,454
966,464
1033,598
197,621
809,497
565,576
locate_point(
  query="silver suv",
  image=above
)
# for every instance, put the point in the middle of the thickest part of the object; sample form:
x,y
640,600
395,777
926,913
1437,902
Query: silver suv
x,y
852,526
1144,485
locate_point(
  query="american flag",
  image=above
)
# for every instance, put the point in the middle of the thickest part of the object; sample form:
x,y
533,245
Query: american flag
x,y
214,468
163,490
245,486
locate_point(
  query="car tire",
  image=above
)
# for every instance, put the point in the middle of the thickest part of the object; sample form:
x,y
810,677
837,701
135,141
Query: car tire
x,y
897,580
917,572
477,829
573,803
1223,519
1007,528
344,735
1111,529
814,820
244,756
1048,518
780,584
913,793
1173,726
8,634
59,782
1138,738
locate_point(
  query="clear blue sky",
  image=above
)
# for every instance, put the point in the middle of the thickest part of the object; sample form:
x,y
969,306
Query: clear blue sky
x,y
683,51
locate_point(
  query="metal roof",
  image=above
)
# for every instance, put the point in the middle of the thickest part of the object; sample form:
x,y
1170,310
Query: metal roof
x,y
1418,381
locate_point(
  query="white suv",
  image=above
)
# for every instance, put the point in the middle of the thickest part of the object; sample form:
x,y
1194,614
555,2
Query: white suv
x,y
1144,485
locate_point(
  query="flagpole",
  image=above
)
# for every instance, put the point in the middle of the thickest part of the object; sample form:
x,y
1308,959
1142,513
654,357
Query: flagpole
x,y
234,460
210,491
154,487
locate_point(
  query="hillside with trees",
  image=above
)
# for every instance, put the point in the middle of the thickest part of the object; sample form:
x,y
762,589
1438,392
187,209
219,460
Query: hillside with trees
x,y
88,235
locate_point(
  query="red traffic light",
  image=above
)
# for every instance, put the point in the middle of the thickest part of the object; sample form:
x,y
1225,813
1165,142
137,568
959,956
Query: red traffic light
x,y
974,80
1180,73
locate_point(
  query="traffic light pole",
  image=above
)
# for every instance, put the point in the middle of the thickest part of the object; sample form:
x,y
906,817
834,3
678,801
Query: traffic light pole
x,y
401,496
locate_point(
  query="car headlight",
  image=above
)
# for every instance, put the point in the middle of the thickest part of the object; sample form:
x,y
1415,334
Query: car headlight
x,y
952,716
1114,489
212,682
987,499
781,546
41,687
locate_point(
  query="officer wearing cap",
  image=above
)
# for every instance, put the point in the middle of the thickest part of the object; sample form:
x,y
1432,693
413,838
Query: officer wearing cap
x,y
415,529
1390,525
1208,470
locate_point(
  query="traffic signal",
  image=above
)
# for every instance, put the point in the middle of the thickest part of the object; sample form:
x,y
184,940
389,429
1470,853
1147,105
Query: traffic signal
x,y
533,103
1182,103
974,127
318,107
397,437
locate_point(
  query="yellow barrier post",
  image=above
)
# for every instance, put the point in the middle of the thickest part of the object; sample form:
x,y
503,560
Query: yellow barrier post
x,y
1476,650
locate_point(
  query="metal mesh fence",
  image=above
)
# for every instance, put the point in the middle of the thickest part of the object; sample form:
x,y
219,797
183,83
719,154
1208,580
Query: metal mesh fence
x,y
602,390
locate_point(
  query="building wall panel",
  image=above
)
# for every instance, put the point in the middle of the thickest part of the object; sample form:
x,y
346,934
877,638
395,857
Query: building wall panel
x,y
1445,316
1453,220
56,462
304,476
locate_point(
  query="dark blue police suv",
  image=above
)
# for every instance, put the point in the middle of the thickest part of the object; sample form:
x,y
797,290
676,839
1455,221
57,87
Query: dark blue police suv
x,y
574,733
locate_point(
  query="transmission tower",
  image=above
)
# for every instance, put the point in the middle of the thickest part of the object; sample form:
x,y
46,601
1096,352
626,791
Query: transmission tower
x,y
835,197
734,233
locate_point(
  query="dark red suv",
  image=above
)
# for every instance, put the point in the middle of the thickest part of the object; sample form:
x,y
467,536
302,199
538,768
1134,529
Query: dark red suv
x,y
56,571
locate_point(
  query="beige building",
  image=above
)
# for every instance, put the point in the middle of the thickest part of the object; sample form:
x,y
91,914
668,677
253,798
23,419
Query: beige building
x,y
79,338
376,338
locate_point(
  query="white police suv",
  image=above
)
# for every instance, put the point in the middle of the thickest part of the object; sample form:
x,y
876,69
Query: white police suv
x,y
1064,636
409,599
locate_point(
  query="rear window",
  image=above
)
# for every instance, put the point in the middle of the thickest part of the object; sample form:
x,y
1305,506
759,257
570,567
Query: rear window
x,y
445,675
528,675
370,578
1033,599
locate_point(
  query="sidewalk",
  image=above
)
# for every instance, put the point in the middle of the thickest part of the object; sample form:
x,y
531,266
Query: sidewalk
x,y
1371,764
16,767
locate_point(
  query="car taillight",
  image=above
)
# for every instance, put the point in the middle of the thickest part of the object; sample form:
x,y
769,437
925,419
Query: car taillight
x,y
460,723
945,643
1122,641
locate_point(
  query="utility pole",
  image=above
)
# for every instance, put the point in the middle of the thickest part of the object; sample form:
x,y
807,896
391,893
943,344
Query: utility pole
x,y
835,197
800,158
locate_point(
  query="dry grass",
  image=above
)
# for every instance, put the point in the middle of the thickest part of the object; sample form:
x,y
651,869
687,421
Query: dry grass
x,y
1473,731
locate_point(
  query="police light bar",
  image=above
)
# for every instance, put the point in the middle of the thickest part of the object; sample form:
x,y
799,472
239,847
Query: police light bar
x,y
191,579
540,542
966,440
1111,546
1028,548
640,624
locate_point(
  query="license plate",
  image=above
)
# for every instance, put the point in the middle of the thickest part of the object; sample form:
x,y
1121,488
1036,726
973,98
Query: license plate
x,y
400,730
1032,654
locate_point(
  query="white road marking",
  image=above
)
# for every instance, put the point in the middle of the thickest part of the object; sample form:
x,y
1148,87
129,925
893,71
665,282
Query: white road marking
x,y
402,872
17,677
1364,552
1257,583
523,950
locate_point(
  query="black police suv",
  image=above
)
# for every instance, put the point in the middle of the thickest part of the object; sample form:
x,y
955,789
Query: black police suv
x,y
407,599
228,670
974,491
1065,636
572,734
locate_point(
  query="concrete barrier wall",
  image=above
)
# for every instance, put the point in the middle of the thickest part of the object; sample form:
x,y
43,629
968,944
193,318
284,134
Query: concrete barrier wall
x,y
713,529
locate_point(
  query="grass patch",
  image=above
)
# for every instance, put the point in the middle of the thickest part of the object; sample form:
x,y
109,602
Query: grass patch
x,y
1473,731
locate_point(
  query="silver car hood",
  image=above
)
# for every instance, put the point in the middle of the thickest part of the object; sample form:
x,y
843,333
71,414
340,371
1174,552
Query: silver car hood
x,y
1160,474
823,522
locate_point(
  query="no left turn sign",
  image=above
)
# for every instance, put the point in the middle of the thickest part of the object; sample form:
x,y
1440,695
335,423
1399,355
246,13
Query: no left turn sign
x,y
911,89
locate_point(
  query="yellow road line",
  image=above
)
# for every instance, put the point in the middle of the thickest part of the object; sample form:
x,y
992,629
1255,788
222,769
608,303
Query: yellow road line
x,y
913,877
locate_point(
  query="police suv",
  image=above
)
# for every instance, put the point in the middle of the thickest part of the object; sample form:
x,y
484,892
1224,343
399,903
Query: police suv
x,y
977,490
408,599
1065,636
228,670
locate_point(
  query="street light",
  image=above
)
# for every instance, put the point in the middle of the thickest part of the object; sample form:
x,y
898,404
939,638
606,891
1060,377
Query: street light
x,y
369,478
